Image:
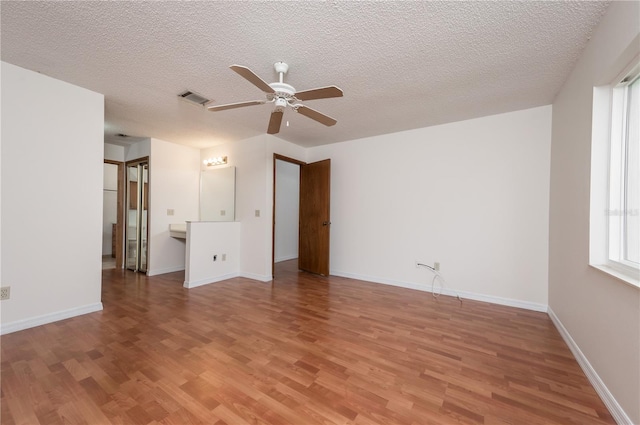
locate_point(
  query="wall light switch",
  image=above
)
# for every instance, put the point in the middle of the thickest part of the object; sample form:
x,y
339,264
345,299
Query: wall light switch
x,y
170,211
223,213
224,257
257,213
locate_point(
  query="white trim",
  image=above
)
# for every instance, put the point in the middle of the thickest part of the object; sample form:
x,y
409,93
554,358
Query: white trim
x,y
19,325
286,258
155,272
261,278
200,282
624,277
615,409
465,295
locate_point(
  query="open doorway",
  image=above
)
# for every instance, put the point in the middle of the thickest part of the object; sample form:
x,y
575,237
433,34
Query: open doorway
x,y
287,210
112,228
309,212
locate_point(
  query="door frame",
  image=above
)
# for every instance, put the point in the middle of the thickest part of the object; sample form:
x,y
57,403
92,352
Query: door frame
x,y
120,218
137,162
273,212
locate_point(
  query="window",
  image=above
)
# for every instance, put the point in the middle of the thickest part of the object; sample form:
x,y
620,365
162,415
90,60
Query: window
x,y
614,226
624,176
614,235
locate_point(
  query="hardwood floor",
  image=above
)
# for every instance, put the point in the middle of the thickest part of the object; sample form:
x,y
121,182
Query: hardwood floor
x,y
303,350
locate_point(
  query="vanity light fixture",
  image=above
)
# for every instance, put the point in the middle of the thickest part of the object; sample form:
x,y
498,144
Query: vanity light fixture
x,y
220,160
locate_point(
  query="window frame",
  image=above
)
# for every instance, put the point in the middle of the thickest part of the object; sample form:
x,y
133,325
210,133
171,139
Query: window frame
x,y
618,175
607,217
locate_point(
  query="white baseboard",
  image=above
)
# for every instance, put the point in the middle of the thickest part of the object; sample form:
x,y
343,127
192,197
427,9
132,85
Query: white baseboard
x,y
526,305
200,282
285,258
615,409
155,272
260,277
19,325
206,281
445,291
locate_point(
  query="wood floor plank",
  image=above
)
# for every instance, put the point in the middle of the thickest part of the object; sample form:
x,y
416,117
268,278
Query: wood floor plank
x,y
303,350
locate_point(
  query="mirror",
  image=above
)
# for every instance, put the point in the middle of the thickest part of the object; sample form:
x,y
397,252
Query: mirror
x,y
218,194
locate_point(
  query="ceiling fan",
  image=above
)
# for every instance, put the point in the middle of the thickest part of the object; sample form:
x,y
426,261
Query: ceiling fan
x,y
283,95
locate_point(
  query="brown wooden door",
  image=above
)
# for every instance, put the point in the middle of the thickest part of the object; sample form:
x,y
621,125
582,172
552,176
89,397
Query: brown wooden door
x,y
315,224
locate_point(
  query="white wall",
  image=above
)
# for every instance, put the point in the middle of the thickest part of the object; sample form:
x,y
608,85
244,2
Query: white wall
x,y
600,313
287,210
1,133
249,158
472,195
114,152
52,155
174,178
206,239
253,159
138,150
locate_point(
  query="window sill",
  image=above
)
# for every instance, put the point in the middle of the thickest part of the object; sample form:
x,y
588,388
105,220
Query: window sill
x,y
626,278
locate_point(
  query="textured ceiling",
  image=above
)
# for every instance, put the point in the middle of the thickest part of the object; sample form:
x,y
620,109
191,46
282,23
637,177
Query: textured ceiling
x,y
402,65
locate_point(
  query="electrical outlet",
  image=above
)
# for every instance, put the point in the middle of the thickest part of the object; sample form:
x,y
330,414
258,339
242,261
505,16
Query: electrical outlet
x,y
5,293
223,213
417,264
224,257
170,211
257,213
436,266
215,258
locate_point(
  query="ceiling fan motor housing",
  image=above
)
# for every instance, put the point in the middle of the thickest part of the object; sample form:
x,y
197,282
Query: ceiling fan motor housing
x,y
283,89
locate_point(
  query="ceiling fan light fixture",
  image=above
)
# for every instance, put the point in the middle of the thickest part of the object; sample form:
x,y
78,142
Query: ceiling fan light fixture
x,y
281,102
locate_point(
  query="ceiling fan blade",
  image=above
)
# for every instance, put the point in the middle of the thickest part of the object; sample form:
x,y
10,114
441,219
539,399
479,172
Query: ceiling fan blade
x,y
275,121
251,76
315,115
235,105
319,93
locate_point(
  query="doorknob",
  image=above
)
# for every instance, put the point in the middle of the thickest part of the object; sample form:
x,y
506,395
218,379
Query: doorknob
x,y
326,223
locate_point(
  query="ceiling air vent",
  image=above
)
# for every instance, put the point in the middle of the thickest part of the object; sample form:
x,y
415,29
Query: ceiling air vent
x,y
194,98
